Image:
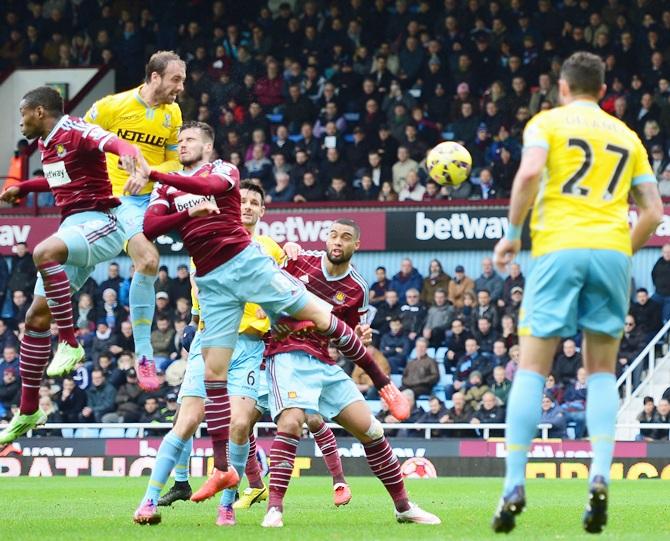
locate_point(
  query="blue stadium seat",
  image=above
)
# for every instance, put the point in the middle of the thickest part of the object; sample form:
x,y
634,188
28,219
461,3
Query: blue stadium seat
x,y
440,353
349,138
131,433
112,432
352,117
374,405
86,433
275,118
67,432
397,379
296,138
447,135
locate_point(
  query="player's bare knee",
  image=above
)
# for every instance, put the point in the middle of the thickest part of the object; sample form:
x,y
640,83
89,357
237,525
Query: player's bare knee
x,y
239,429
51,249
188,422
314,422
38,315
291,421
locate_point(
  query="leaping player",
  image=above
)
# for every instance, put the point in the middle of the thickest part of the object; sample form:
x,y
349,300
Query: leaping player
x,y
149,117
73,160
232,270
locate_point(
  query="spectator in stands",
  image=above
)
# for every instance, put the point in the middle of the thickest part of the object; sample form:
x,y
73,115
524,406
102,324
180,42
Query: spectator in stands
x,y
20,306
436,412
512,308
387,193
454,341
515,279
413,314
180,285
632,344
367,191
647,314
501,385
485,335
395,346
662,416
338,190
163,306
379,287
408,277
85,313
101,340
574,403
10,358
463,366
459,413
109,368
567,363
71,401
489,412
459,285
484,309
402,168
421,373
387,310
499,357
23,274
490,280
162,341
128,401
513,364
412,190
554,416
113,312
162,283
434,280
309,189
100,398
4,280
438,318
10,388
475,390
553,388
282,191
647,416
660,276
122,340
113,281
150,411
7,337
508,333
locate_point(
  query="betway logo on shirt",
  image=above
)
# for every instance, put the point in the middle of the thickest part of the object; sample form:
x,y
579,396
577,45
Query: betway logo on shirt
x,y
185,202
460,226
141,137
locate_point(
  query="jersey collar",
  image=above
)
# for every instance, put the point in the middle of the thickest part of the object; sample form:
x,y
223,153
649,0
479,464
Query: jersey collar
x,y
327,275
140,99
54,130
585,103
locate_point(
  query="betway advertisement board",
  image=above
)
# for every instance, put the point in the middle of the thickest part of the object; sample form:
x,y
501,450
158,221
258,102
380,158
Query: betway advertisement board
x,y
383,229
131,457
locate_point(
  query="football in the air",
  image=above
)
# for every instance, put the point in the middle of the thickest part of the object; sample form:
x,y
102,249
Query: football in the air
x,y
418,468
449,163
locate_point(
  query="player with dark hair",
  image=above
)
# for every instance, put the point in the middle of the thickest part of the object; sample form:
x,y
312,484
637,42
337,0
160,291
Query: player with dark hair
x,y
230,271
149,117
579,167
303,378
73,160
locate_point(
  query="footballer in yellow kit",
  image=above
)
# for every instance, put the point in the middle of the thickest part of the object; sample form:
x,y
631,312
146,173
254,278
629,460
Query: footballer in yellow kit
x,y
578,169
148,117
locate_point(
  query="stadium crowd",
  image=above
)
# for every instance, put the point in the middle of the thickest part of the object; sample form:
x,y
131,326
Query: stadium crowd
x,y
340,100
447,339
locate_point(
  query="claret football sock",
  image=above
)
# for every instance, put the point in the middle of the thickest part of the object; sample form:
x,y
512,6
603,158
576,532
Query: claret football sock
x,y
253,469
282,457
217,414
57,291
327,443
384,464
35,352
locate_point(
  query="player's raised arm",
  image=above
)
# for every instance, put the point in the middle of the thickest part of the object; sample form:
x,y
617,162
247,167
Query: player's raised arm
x,y
524,191
222,179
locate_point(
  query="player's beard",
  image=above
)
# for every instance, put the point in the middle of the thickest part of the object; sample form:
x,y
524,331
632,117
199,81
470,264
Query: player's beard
x,y
188,162
344,258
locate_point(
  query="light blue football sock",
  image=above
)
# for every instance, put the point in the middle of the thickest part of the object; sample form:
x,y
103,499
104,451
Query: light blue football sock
x,y
524,409
238,455
181,467
142,306
168,453
602,403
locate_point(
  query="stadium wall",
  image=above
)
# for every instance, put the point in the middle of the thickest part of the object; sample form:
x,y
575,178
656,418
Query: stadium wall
x,y
73,81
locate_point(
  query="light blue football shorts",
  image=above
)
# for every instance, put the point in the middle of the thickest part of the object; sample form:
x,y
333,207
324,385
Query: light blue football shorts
x,y
194,377
250,276
298,380
131,213
576,289
91,237
244,372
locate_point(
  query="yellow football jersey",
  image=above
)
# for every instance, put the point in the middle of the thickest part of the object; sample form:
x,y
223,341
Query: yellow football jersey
x,y
153,130
251,319
593,161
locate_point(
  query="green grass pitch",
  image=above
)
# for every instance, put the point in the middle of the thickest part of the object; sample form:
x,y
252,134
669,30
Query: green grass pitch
x,y
72,509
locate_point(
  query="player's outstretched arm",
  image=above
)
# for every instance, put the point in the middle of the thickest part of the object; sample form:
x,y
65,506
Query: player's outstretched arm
x,y
650,205
524,190
158,220
11,194
214,184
